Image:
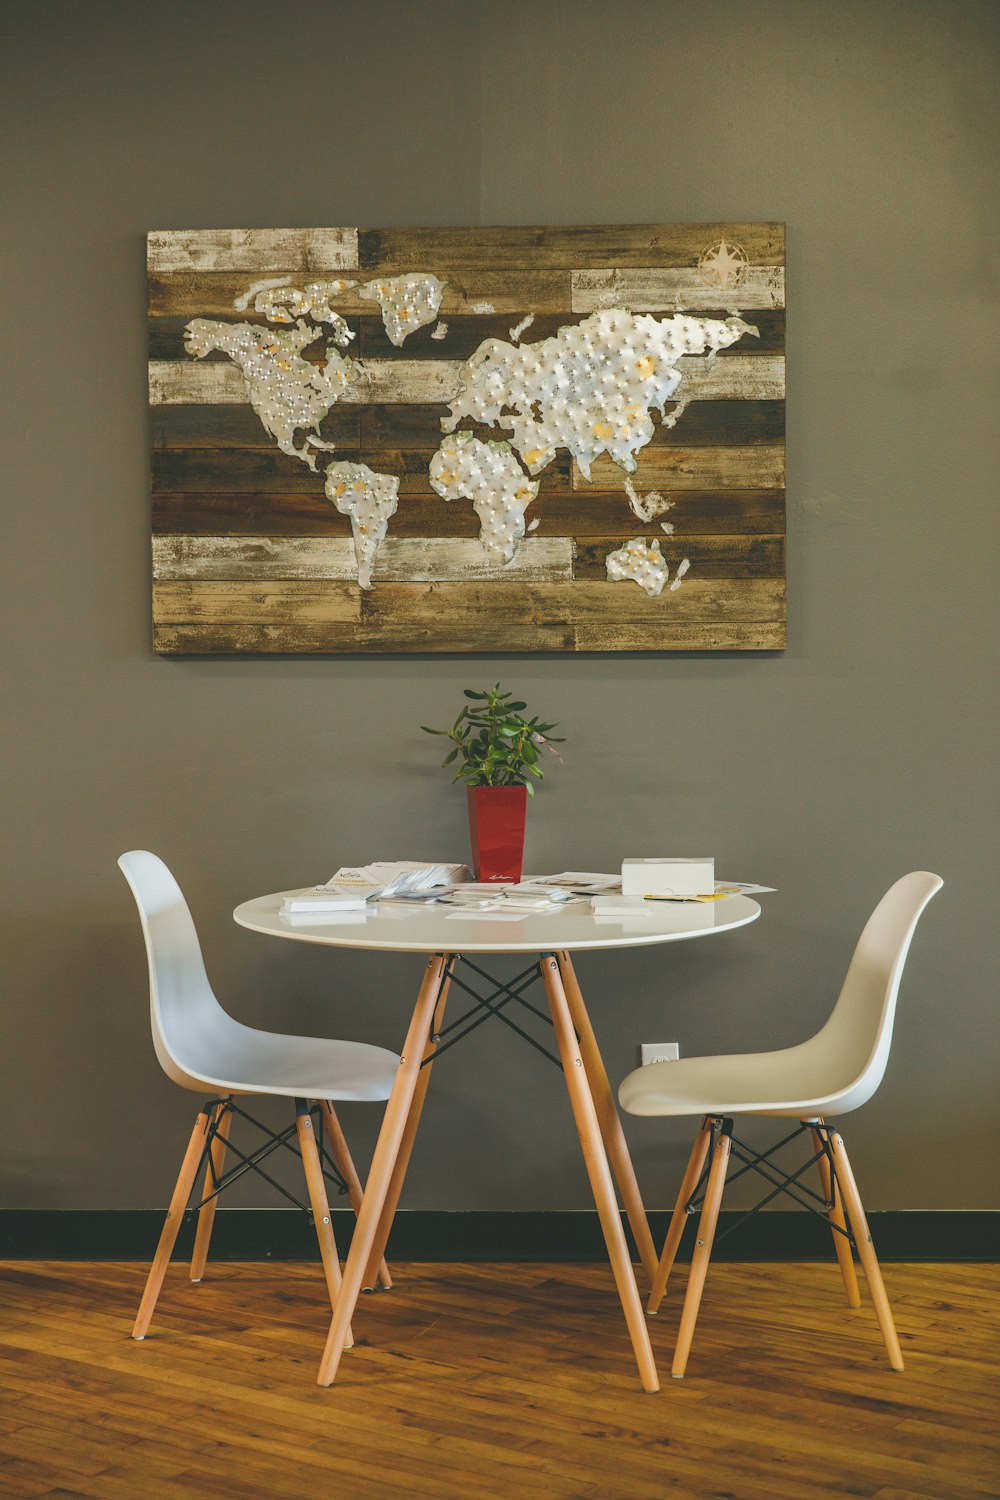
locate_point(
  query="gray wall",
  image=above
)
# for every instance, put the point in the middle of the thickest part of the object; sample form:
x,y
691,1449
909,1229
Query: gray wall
x,y
866,749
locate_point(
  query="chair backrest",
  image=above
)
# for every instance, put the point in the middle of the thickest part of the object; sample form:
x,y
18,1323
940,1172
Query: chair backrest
x,y
856,1039
190,1028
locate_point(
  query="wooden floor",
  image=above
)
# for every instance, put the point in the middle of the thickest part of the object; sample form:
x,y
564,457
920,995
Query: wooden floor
x,y
476,1381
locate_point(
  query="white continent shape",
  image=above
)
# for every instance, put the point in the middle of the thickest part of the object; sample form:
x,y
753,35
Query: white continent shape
x,y
590,388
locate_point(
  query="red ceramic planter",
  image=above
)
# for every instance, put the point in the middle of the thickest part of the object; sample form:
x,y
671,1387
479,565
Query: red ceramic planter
x,y
496,827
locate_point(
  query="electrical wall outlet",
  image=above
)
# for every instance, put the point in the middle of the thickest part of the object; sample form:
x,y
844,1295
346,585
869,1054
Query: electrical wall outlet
x,y
651,1052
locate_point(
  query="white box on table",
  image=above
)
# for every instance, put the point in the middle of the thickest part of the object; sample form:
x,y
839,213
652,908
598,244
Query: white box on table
x,y
668,877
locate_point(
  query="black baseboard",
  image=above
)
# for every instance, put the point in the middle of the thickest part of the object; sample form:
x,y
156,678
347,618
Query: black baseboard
x,y
285,1234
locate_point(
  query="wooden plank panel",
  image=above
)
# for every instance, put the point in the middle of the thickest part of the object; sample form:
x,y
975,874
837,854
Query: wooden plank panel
x,y
239,427
249,553
741,377
464,336
701,424
219,471
761,467
211,294
728,599
251,249
696,512
491,635
312,559
332,638
709,556
211,602
576,247
663,289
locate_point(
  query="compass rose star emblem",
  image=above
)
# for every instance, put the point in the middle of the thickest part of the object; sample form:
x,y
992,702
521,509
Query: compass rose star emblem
x,y
725,264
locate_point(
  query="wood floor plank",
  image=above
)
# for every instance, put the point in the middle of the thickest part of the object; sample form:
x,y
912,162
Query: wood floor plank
x,y
490,1381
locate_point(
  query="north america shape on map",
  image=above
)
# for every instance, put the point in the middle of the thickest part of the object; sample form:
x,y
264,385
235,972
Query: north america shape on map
x,y
591,388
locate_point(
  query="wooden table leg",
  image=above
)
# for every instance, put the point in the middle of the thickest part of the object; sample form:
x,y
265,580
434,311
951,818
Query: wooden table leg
x,y
386,1150
406,1145
609,1118
602,1185
345,1166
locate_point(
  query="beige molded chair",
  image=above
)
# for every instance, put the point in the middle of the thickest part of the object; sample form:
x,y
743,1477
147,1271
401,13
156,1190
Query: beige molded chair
x,y
835,1071
201,1047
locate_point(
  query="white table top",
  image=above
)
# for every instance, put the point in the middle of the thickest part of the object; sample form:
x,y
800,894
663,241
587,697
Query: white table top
x,y
447,929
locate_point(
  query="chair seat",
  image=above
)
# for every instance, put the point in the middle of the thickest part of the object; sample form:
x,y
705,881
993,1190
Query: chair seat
x,y
262,1062
795,1081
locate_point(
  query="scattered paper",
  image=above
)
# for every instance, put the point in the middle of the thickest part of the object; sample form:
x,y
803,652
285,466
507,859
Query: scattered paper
x,y
743,888
489,914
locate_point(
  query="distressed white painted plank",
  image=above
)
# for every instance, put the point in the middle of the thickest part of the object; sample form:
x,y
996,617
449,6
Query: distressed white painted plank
x,y
734,377
405,380
661,289
181,382
314,559
252,249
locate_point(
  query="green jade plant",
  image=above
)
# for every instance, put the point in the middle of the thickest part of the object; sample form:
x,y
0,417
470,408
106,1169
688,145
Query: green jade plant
x,y
496,745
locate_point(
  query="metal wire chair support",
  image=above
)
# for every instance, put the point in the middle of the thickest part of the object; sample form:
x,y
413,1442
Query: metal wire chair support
x,y
491,1005
217,1110
786,1183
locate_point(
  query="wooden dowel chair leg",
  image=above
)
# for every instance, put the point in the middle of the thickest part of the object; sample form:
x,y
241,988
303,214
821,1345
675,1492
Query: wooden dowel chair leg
x,y
345,1166
702,1254
866,1250
319,1203
608,1118
601,1182
679,1218
835,1198
206,1214
388,1213
171,1225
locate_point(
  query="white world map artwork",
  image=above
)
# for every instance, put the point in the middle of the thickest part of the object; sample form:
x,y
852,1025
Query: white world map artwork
x,y
599,386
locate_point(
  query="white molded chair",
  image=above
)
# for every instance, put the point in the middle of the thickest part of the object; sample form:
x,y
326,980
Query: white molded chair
x,y
835,1071
201,1047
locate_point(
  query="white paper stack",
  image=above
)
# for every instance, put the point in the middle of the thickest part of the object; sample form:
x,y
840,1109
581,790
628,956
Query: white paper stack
x,y
404,877
668,877
313,900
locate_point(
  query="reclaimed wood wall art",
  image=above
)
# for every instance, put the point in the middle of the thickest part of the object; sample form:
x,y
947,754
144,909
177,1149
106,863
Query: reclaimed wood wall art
x,y
506,439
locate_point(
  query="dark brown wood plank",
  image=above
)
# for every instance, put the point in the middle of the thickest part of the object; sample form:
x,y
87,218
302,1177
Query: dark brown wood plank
x,y
215,426
464,336
711,512
223,471
674,469
224,602
709,556
459,605
211,294
701,424
490,635
576,247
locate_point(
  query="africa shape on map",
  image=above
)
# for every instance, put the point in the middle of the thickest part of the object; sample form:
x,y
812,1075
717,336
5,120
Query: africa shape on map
x,y
592,388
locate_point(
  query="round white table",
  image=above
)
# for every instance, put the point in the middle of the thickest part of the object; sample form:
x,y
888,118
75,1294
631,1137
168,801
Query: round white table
x,y
450,935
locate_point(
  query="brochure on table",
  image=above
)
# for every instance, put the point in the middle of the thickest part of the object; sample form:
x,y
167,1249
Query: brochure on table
x,y
349,893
